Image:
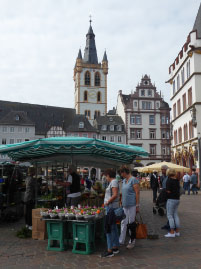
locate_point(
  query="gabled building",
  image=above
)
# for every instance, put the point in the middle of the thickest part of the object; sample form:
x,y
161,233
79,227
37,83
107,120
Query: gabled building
x,y
147,119
90,78
111,128
185,81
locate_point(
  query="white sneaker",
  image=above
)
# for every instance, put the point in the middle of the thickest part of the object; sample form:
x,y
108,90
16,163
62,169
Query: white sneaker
x,y
177,234
169,235
131,244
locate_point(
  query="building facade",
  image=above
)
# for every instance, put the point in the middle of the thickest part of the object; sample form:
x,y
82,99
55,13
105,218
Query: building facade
x,y
147,119
185,81
90,78
111,128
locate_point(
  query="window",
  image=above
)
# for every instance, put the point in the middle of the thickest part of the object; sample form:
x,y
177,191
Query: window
x,y
191,131
3,141
87,113
96,114
163,120
149,92
75,135
167,135
12,129
19,140
104,137
163,134
111,127
180,135
175,137
152,134
178,107
178,82
97,79
119,138
94,136
138,135
146,105
151,119
12,141
173,87
188,71
119,128
142,92
104,127
27,130
157,105
152,149
132,133
135,119
184,101
87,78
163,150
167,120
111,138
4,129
174,111
182,76
26,139
84,135
85,96
190,97
185,132
17,117
168,150
81,125
19,129
135,104
98,96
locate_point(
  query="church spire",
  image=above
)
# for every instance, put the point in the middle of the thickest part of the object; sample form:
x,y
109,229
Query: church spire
x,y
105,57
197,24
79,54
90,54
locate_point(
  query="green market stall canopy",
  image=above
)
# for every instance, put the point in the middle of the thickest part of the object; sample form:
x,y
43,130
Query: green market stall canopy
x,y
77,150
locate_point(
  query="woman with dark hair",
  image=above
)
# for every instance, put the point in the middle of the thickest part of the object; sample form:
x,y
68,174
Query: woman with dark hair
x,y
111,201
173,196
130,202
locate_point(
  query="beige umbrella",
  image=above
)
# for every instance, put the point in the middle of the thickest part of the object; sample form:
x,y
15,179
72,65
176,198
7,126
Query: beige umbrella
x,y
157,167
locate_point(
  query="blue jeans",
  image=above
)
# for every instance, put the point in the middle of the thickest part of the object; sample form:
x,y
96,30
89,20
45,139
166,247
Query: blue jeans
x,y
172,215
187,187
113,237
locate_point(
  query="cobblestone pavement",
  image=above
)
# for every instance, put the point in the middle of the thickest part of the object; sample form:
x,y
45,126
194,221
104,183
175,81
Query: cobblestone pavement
x,y
181,252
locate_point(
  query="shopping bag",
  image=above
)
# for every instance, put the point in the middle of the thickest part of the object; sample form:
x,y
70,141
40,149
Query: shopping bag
x,y
141,228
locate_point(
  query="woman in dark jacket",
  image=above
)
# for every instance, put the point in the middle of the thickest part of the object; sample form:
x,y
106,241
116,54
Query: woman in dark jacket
x,y
173,196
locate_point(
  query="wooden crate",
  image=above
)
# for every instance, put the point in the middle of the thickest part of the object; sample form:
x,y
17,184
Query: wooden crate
x,y
38,225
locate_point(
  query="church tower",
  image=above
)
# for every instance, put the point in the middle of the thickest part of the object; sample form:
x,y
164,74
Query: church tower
x,y
90,80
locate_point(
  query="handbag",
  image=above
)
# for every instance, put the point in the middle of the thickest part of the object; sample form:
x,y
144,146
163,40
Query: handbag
x,y
141,228
119,213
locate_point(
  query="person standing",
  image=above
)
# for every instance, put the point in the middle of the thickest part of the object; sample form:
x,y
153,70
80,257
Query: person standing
x,y
154,185
173,195
194,182
186,181
29,197
111,201
130,202
163,177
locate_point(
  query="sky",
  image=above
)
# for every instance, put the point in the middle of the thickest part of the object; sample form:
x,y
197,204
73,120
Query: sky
x,y
40,40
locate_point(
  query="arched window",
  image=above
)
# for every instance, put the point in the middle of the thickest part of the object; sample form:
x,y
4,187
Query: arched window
x,y
87,78
97,79
87,114
85,96
98,96
96,114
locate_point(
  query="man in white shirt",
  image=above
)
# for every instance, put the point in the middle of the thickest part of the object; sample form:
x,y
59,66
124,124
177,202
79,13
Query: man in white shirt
x,y
186,181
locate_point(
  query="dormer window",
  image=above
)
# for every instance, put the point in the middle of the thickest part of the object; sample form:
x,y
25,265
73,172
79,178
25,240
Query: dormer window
x,y
119,128
142,92
111,127
104,128
110,119
17,117
81,125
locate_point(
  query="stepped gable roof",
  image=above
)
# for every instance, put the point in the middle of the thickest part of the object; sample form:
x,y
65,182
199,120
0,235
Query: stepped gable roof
x,y
197,24
44,117
90,54
16,118
74,127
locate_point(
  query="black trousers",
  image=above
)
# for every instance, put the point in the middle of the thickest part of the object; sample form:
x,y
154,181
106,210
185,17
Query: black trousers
x,y
28,212
154,194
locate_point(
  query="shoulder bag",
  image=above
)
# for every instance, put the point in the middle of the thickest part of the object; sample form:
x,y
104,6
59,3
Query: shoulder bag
x,y
141,228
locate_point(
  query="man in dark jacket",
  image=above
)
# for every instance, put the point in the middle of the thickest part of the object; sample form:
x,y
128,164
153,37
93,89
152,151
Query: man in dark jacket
x,y
154,185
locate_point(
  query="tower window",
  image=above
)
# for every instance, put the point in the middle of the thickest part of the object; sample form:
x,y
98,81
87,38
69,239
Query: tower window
x,y
98,96
97,79
96,114
87,114
87,78
85,96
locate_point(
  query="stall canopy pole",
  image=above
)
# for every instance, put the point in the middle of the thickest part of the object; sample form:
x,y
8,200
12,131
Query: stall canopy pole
x,y
36,185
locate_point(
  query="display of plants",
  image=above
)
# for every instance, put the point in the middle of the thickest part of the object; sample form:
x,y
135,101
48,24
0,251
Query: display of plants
x,y
72,213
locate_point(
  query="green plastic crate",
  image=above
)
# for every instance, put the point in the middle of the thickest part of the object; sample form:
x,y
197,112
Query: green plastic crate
x,y
83,238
